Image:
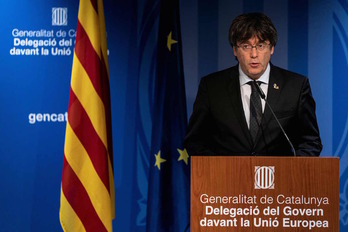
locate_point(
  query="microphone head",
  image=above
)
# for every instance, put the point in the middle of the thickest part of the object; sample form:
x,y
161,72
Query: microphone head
x,y
259,90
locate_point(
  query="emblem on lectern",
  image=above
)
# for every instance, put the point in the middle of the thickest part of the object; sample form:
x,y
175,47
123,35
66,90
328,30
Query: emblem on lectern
x,y
264,177
59,16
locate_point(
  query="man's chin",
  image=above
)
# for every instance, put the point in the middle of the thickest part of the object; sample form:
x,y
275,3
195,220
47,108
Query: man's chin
x,y
254,76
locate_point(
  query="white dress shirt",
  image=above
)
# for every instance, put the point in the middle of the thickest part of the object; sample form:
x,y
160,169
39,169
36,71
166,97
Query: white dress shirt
x,y
245,90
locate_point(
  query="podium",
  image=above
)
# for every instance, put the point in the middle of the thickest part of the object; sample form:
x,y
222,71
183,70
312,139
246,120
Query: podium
x,y
234,193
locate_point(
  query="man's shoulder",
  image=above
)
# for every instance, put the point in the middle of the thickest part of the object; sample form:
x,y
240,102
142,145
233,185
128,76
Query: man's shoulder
x,y
287,74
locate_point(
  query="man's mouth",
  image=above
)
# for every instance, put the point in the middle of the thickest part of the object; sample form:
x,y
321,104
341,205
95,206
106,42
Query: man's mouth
x,y
254,65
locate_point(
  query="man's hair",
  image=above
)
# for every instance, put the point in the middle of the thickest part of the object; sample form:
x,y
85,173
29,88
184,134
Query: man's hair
x,y
246,26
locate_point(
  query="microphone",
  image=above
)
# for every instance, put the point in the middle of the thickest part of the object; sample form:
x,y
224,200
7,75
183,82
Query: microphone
x,y
263,96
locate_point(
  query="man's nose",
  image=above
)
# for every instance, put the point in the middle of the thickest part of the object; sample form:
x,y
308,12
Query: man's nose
x,y
253,52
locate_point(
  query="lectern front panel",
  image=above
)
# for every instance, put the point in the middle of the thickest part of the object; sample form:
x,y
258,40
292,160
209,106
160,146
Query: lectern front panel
x,y
264,194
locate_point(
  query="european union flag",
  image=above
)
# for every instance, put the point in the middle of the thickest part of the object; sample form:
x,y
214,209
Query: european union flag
x,y
168,207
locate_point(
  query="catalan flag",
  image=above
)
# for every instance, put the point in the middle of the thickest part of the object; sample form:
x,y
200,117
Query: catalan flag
x,y
87,190
168,204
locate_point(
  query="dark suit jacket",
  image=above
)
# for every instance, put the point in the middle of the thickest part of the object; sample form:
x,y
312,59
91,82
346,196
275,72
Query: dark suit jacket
x,y
218,126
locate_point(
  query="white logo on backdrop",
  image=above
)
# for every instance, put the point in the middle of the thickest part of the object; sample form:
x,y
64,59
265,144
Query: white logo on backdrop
x,y
59,16
264,177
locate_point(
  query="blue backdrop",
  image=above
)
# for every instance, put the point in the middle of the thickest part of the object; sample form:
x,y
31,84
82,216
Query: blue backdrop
x,y
35,83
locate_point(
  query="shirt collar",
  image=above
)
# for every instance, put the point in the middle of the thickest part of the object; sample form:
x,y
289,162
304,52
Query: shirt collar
x,y
243,78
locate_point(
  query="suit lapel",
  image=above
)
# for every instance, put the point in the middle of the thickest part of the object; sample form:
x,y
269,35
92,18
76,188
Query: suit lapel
x,y
234,90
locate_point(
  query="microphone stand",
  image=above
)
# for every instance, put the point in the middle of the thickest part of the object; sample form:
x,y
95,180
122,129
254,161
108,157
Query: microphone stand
x,y
263,96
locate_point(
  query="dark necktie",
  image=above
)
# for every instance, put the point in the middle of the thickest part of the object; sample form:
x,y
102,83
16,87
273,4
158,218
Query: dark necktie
x,y
255,110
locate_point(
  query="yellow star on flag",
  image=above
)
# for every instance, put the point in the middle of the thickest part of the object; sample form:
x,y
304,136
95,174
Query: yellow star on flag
x,y
183,155
159,160
170,41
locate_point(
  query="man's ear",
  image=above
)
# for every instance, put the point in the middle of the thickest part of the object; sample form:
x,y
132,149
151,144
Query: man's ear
x,y
234,51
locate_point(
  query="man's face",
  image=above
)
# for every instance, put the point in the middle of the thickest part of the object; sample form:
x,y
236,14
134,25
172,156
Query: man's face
x,y
253,62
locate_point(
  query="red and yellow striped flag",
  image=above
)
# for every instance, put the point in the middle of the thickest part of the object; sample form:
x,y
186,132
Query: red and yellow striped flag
x,y
87,191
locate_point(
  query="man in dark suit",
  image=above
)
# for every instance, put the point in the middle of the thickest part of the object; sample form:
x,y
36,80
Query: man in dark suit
x,y
229,118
